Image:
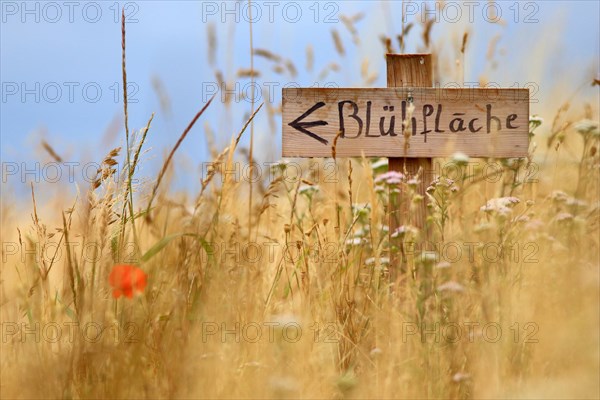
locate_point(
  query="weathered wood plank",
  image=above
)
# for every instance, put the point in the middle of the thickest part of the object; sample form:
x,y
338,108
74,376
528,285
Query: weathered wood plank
x,y
409,70
476,122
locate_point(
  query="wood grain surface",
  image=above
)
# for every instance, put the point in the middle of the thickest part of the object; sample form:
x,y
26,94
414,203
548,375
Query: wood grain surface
x,y
476,122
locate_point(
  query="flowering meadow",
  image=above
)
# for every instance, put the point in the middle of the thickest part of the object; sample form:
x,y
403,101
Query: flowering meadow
x,y
293,285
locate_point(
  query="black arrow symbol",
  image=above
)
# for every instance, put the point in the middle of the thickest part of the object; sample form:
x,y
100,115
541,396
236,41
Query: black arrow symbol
x,y
301,126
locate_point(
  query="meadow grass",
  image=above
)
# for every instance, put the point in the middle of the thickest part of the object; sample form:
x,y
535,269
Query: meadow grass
x,y
284,290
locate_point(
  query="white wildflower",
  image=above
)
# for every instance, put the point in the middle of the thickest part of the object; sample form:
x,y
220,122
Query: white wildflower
x,y
413,182
403,230
356,241
282,320
382,162
376,352
451,286
482,227
500,205
382,261
563,216
460,377
559,196
308,190
390,178
362,232
361,209
284,386
281,164
443,265
588,127
576,203
534,224
429,257
536,120
460,159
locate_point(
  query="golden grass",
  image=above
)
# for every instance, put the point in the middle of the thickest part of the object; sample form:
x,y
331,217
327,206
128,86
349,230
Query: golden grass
x,y
308,268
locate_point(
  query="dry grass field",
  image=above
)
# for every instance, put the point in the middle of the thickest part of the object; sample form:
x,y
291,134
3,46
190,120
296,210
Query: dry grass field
x,y
285,289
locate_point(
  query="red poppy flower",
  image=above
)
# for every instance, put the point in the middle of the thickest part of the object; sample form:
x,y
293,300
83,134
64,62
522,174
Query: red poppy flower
x,y
126,280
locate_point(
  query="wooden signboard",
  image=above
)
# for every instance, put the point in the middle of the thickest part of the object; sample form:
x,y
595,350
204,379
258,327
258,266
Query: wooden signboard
x,y
439,122
410,122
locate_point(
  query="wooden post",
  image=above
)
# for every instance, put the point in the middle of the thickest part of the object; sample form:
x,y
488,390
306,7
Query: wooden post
x,y
409,70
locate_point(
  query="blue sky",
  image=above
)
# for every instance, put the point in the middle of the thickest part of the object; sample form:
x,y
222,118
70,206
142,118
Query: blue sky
x,y
77,47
